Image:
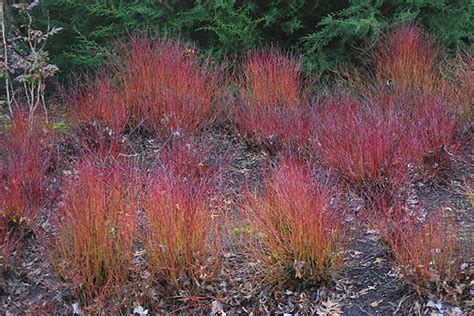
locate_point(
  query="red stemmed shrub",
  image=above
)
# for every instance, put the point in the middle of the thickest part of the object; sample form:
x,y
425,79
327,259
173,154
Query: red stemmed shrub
x,y
298,232
271,78
434,124
189,158
368,145
11,232
376,144
99,103
457,87
428,254
427,249
274,128
166,86
95,241
101,144
406,63
101,114
195,159
406,58
182,239
428,120
24,163
464,77
271,107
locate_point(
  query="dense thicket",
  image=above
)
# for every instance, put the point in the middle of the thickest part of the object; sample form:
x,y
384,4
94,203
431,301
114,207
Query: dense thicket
x,y
327,32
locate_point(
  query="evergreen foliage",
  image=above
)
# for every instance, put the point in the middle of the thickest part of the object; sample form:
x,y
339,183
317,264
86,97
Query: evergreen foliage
x,y
327,32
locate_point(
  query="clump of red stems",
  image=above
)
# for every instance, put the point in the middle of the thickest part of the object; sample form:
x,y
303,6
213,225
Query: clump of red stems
x,y
99,102
95,241
406,59
167,88
298,233
272,109
182,237
368,145
426,248
24,166
271,78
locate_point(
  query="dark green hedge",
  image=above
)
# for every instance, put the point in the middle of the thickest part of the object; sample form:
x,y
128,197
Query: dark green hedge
x,y
326,32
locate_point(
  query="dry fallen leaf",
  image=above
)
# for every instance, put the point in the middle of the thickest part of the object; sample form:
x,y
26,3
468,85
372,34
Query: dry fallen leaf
x,y
331,308
217,308
298,266
76,310
140,310
379,260
374,304
470,197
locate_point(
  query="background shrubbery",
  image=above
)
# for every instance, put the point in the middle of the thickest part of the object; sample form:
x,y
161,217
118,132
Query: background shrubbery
x,y
326,32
